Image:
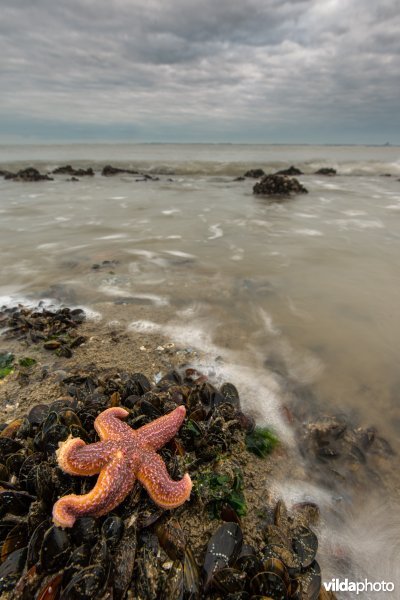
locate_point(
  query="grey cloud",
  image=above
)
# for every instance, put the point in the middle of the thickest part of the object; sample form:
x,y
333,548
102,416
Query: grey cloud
x,y
226,68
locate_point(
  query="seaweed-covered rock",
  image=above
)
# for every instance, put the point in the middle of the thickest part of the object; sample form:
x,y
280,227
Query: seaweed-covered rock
x,y
29,174
290,171
68,170
278,185
326,171
109,171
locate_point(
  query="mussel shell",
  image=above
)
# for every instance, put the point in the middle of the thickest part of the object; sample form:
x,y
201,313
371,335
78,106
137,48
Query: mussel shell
x,y
49,590
112,531
249,563
56,434
38,414
269,584
310,582
11,429
27,472
49,422
9,446
284,554
85,530
230,393
173,587
228,580
14,502
172,539
11,568
35,543
16,538
4,474
89,582
55,549
137,385
191,575
15,461
222,550
124,558
305,545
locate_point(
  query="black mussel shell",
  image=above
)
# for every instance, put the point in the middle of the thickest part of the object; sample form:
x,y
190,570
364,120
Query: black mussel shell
x,y
222,550
172,539
249,562
239,596
285,555
269,584
56,434
11,568
38,414
27,473
112,531
130,401
124,558
305,545
4,474
17,538
310,582
49,590
55,549
14,502
89,582
228,580
49,422
85,530
173,587
15,461
9,446
230,393
137,385
35,543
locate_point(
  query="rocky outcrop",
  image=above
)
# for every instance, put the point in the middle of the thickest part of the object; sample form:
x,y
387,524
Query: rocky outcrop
x,y
68,170
255,173
290,171
326,171
6,174
278,185
29,174
109,171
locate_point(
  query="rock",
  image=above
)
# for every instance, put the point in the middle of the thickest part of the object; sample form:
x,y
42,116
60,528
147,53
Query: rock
x,y
68,170
325,171
278,185
29,174
109,170
290,171
72,179
255,173
7,174
241,178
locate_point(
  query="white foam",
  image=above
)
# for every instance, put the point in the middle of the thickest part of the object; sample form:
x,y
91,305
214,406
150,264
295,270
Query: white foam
x,y
216,231
310,232
171,211
113,236
179,253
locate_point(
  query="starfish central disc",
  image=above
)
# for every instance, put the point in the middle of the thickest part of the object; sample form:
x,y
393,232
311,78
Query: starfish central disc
x,y
122,456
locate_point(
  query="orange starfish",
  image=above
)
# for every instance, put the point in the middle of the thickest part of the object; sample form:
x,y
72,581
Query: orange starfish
x,y
123,455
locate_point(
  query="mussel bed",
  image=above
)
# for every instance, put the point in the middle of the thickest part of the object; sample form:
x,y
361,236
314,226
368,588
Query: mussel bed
x,y
140,550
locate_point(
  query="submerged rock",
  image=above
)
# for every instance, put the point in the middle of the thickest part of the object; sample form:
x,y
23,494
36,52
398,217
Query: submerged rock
x,y
326,171
29,174
290,171
109,170
255,173
278,185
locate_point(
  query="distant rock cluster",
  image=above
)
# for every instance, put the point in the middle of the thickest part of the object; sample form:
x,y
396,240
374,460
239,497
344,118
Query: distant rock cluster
x,y
278,185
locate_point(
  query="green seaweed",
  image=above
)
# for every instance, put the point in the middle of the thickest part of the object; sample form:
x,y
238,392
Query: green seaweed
x,y
26,362
261,441
6,364
216,490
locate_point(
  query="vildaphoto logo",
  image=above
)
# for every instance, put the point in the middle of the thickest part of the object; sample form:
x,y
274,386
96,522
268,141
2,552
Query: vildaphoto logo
x,y
345,585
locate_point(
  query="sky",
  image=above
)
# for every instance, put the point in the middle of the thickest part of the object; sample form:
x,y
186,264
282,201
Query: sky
x,y
263,71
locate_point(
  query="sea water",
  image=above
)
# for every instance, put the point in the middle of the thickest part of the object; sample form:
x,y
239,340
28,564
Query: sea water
x,y
305,290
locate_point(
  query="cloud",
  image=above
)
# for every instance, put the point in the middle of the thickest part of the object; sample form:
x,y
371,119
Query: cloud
x,y
254,69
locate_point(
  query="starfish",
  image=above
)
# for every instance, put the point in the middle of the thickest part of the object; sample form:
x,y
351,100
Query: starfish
x,y
122,456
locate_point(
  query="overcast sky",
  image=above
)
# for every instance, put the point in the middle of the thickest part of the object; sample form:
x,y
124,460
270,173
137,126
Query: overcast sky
x,y
315,71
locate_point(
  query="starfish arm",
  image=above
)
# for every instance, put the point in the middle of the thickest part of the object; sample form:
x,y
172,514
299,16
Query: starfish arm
x,y
157,433
113,485
109,425
165,492
77,458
